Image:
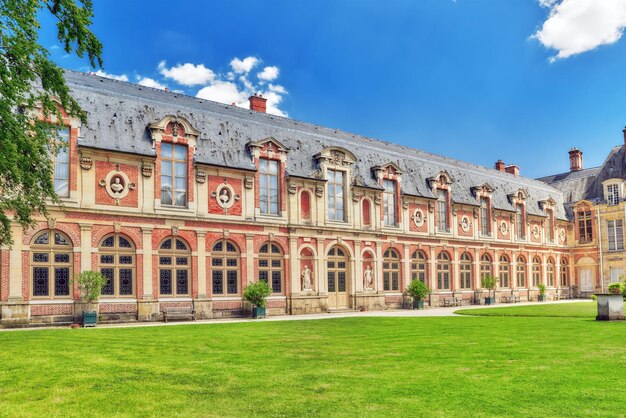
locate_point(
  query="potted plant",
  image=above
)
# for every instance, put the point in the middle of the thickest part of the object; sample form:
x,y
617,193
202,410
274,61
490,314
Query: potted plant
x,y
90,284
542,292
489,282
615,288
418,290
256,294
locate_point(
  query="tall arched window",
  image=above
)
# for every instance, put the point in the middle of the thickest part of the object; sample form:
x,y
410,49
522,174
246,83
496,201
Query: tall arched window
x,y
117,264
521,272
536,272
564,273
271,266
419,268
391,270
504,271
550,272
174,268
465,269
225,268
305,205
443,271
485,266
51,265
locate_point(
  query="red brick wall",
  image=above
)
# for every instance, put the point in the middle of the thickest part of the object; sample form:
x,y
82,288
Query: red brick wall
x,y
236,184
102,197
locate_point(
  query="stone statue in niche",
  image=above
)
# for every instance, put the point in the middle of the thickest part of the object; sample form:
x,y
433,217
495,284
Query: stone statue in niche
x,y
225,197
368,278
117,185
306,278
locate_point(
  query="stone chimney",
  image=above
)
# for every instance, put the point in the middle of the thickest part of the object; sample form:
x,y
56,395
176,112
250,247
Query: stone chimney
x,y
575,159
258,103
624,131
512,169
500,165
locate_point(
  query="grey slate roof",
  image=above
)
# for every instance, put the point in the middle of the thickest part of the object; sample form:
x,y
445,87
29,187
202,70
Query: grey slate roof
x,y
119,113
587,184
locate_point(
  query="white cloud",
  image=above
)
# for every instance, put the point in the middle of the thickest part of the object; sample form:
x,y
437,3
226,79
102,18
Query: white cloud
x,y
150,82
187,74
577,26
224,92
243,66
268,73
121,77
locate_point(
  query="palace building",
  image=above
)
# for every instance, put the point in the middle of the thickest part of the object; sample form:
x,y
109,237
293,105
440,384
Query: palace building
x,y
181,202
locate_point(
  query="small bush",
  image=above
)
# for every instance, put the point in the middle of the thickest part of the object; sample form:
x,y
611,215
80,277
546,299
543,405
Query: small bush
x,y
542,288
616,287
418,290
594,297
489,282
256,293
90,284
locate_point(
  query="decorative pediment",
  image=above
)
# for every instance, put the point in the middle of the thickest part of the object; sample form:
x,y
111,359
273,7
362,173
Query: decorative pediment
x,y
268,143
336,156
389,168
583,204
520,195
484,188
547,203
440,179
173,125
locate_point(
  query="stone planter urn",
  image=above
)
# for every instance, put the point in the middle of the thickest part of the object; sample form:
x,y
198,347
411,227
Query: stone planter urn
x,y
610,307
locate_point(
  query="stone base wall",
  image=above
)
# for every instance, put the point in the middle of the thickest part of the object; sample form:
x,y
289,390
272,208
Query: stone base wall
x,y
369,302
305,304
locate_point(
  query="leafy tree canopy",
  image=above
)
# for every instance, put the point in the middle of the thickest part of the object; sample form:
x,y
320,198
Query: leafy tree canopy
x,y
32,86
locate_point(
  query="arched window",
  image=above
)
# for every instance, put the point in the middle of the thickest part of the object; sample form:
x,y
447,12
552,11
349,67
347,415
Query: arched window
x,y
536,272
174,268
271,266
366,212
117,264
564,273
225,268
465,269
504,271
443,271
550,272
51,266
485,266
521,272
419,268
391,270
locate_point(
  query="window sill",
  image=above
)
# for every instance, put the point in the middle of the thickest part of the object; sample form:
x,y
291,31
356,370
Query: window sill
x,y
186,298
40,301
131,299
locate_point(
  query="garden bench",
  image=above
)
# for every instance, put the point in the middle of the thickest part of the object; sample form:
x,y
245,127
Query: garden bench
x,y
510,299
182,312
450,302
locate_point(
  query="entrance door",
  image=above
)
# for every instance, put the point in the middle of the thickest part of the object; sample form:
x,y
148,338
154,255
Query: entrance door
x,y
337,271
586,280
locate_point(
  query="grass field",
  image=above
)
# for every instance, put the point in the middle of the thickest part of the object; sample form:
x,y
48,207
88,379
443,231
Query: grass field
x,y
451,366
572,310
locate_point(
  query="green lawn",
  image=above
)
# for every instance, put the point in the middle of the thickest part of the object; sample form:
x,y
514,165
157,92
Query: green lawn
x,y
575,310
453,366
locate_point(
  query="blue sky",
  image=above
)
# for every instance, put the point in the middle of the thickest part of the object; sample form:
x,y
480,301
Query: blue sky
x,y
465,78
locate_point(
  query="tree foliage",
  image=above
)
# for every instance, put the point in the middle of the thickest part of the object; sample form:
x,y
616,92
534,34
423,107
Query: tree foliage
x,y
256,293
32,92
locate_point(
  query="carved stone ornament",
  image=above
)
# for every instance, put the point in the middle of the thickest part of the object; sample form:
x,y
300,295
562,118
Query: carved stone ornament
x,y
175,231
225,196
146,170
117,227
454,211
319,190
52,223
405,204
418,218
504,228
292,188
86,163
248,182
465,223
378,199
337,157
117,185
431,207
535,231
475,213
356,196
562,234
200,177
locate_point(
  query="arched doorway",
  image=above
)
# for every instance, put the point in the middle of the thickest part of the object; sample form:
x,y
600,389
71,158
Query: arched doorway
x,y
337,268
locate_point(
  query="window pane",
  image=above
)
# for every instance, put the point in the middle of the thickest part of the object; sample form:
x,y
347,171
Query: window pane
x,y
182,282
231,281
109,274
276,282
218,283
166,150
126,282
180,152
40,281
165,282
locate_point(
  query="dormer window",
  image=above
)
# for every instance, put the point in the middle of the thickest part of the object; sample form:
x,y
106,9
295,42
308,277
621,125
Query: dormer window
x,y
612,194
61,163
336,211
519,221
269,188
585,228
173,174
389,202
442,210
550,225
484,217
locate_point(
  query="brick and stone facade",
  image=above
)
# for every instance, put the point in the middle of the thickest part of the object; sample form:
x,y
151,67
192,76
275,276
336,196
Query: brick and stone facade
x,y
187,201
